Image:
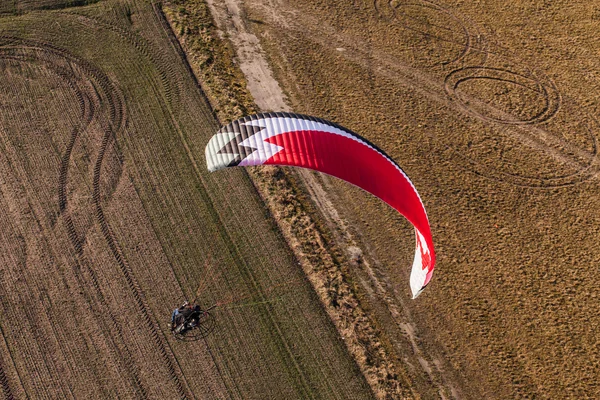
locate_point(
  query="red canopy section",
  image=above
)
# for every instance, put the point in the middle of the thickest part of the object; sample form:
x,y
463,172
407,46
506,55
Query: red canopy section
x,y
308,142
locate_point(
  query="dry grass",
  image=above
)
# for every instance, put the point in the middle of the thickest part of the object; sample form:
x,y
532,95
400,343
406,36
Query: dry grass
x,y
211,58
491,111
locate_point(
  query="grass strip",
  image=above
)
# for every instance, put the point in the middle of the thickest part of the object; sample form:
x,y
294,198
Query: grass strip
x,y
212,60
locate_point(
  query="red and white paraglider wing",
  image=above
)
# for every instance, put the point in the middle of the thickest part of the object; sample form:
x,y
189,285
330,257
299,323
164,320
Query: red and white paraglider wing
x,y
308,142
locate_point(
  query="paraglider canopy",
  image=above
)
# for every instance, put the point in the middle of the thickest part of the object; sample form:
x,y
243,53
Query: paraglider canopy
x,y
303,141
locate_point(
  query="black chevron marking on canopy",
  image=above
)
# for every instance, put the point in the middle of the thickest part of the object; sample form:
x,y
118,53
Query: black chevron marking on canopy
x,y
234,146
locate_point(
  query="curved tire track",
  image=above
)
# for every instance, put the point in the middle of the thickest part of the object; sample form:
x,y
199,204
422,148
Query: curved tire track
x,y
547,90
116,113
117,121
167,75
8,395
532,134
164,68
90,108
472,42
533,130
536,137
51,56
159,340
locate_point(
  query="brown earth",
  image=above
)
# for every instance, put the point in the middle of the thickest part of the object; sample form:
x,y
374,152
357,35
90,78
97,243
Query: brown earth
x,y
110,220
490,109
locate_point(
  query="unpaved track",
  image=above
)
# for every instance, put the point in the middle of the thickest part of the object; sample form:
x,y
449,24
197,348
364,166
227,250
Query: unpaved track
x,y
269,96
500,137
111,220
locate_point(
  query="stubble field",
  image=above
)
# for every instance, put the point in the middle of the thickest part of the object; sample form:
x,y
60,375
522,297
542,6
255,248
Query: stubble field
x,y
110,220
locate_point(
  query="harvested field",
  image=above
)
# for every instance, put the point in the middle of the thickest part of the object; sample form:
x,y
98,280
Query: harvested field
x,y
111,220
21,6
492,110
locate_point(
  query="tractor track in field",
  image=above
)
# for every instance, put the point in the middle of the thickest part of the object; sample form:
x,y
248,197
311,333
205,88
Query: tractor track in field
x,y
140,44
116,111
492,68
25,51
441,85
8,395
117,119
91,104
171,91
548,90
159,340
472,40
170,80
167,76
89,110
